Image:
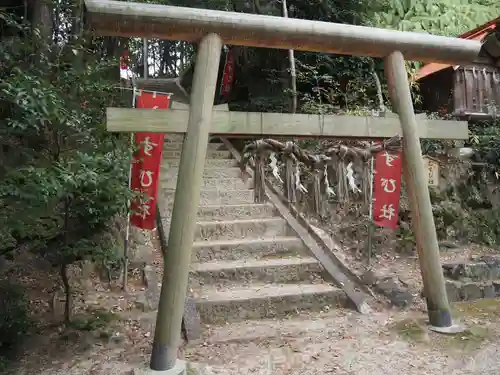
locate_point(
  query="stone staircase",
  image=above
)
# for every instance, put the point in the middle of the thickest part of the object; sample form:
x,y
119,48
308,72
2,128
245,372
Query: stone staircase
x,y
247,263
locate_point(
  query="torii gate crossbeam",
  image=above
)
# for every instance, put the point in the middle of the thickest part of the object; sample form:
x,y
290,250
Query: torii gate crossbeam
x,y
123,18
213,28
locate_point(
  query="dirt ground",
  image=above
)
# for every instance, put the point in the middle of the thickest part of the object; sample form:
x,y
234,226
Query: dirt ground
x,y
114,335
343,342
338,342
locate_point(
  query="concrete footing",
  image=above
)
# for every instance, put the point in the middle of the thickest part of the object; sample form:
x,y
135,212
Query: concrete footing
x,y
451,330
179,369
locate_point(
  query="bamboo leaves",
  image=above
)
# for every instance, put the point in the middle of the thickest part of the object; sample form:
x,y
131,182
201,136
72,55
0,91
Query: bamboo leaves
x,y
445,17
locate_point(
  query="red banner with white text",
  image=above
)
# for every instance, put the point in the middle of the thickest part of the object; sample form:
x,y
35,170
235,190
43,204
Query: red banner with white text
x,y
145,175
124,60
386,188
228,75
124,65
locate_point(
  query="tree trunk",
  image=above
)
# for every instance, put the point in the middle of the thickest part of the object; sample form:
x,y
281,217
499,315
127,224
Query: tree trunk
x,y
259,179
145,58
316,192
162,234
289,185
293,74
64,265
77,12
67,291
378,85
42,18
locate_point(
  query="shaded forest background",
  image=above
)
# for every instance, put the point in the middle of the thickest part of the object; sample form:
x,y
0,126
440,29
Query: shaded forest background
x,y
63,178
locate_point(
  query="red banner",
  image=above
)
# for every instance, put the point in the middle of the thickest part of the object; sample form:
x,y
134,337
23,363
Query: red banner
x,y
124,65
228,77
145,174
386,188
124,60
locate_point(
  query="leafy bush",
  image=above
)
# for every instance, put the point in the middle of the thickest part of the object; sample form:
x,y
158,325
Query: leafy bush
x,y
15,320
66,176
98,319
484,227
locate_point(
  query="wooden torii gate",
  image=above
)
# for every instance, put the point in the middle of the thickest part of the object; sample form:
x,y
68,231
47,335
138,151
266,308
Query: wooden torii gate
x,y
213,28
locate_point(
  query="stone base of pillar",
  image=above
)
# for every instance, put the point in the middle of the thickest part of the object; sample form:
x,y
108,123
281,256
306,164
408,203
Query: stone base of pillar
x,y
451,330
178,369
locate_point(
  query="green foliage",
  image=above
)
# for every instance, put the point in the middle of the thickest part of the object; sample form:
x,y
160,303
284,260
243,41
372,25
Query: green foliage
x,y
97,320
449,218
485,227
338,84
464,213
443,17
485,138
62,176
15,320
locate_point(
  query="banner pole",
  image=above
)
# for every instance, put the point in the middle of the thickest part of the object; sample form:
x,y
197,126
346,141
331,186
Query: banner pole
x,y
127,228
370,224
145,52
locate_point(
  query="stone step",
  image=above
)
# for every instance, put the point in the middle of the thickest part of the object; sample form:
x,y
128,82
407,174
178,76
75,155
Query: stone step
x,y
252,331
174,137
236,211
246,228
211,154
471,291
179,137
239,249
211,183
219,197
209,172
177,146
218,212
248,271
259,301
210,163
482,268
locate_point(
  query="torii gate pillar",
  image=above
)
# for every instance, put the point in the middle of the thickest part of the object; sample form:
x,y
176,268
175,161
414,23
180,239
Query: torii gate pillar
x,y
438,307
187,195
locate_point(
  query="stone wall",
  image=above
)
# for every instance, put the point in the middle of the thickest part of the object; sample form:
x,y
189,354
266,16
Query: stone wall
x,y
472,280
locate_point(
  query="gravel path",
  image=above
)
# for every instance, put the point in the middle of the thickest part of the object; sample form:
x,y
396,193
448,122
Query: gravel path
x,y
345,343
338,342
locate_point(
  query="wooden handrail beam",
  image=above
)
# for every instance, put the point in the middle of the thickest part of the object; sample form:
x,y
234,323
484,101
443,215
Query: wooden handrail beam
x,y
259,124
